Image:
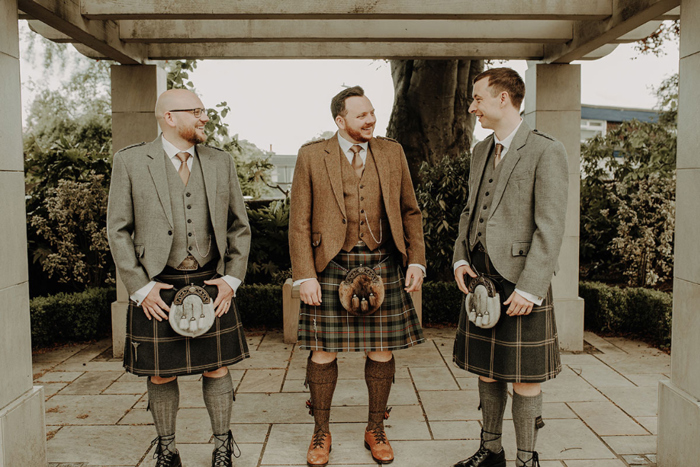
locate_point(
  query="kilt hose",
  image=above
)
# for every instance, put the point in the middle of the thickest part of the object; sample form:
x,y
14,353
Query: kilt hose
x,y
329,327
152,348
519,349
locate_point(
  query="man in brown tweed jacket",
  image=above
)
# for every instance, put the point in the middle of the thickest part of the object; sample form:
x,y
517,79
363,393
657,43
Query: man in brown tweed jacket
x,y
511,231
353,204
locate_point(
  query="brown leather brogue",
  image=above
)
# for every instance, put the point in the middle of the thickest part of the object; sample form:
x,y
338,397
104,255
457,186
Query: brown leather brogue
x,y
376,442
319,449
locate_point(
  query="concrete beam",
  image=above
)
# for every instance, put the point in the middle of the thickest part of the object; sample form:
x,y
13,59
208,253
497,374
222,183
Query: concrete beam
x,y
344,9
180,31
102,36
347,50
48,32
590,35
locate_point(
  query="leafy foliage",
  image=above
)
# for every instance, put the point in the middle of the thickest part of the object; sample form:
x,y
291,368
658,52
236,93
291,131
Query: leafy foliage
x,y
652,44
269,250
442,195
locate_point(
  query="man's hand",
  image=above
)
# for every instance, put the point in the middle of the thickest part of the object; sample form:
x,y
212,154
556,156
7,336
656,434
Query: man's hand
x,y
519,305
310,292
153,305
414,279
223,298
459,277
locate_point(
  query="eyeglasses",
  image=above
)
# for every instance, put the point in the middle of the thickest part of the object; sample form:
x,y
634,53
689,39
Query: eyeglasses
x,y
196,112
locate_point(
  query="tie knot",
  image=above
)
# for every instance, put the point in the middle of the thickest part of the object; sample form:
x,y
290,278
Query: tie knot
x,y
356,149
183,156
499,149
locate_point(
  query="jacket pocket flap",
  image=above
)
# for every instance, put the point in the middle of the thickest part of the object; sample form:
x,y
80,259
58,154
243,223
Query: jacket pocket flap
x,y
139,249
521,248
315,239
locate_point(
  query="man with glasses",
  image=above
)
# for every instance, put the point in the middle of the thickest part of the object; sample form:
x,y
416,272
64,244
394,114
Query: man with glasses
x,y
176,222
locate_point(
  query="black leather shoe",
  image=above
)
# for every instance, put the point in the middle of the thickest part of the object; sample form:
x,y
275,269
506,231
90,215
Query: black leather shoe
x,y
222,457
484,458
165,458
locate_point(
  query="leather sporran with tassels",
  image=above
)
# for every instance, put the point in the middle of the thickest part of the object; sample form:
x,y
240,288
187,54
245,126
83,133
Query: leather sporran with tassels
x,y
192,311
362,291
483,302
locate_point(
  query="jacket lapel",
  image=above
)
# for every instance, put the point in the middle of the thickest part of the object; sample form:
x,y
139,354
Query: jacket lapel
x,y
480,165
156,167
208,165
332,160
383,169
511,159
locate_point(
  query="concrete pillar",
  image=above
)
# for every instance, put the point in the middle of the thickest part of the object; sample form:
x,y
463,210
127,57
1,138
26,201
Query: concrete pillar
x,y
22,427
679,409
135,89
553,106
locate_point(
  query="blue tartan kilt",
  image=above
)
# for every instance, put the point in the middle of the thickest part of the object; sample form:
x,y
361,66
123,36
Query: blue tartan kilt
x,y
329,327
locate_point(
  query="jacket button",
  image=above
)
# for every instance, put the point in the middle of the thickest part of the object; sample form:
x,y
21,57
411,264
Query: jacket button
x,y
345,221
189,206
361,187
362,222
189,221
487,193
189,194
479,234
521,252
170,232
481,221
490,180
189,248
362,198
362,235
485,207
189,234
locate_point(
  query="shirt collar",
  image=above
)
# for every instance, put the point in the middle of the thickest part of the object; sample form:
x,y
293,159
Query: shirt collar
x,y
172,151
345,145
508,140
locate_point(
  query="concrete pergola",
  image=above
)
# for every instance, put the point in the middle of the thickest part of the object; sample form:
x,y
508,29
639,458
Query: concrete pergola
x,y
549,33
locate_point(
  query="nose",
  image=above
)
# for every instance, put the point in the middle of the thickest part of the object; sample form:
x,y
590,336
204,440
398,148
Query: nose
x,y
204,117
472,107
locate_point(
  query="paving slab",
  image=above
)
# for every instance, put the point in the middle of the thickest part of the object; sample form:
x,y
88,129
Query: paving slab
x,y
650,423
59,377
637,402
100,445
632,444
600,374
267,380
88,410
606,419
435,378
92,382
199,455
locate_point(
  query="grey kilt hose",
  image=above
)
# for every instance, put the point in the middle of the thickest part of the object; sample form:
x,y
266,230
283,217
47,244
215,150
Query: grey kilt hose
x,y
329,327
519,349
152,348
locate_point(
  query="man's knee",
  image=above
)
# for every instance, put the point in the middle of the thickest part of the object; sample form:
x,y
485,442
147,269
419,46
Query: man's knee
x,y
383,356
159,380
223,371
527,389
321,357
487,380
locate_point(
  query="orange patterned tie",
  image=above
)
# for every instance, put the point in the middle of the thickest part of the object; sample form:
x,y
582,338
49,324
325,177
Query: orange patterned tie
x,y
357,163
184,171
499,149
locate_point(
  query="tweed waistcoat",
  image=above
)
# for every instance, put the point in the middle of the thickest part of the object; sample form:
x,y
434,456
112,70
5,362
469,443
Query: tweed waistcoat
x,y
484,200
192,225
363,203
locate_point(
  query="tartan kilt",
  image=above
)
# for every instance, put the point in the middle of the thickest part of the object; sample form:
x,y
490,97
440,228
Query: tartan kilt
x,y
519,349
152,348
329,327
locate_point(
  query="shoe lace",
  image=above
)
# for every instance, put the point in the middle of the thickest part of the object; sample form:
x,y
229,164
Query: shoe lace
x,y
535,459
379,435
319,439
162,452
222,455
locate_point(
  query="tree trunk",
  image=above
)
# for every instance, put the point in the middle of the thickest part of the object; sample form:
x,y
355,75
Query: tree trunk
x,y
430,117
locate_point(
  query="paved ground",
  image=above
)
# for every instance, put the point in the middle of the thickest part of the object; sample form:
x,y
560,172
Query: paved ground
x,y
601,410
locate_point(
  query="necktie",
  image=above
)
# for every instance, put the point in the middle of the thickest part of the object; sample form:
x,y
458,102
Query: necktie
x,y
184,171
499,149
357,163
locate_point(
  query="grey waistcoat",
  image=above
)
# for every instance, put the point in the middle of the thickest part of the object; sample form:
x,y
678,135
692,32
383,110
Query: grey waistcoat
x,y
482,209
192,224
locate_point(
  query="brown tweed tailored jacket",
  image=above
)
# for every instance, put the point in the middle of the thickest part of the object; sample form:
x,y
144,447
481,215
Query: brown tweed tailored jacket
x,y
317,221
525,228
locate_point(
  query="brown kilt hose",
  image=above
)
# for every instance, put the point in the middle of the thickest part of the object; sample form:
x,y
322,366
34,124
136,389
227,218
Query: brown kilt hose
x,y
519,349
152,348
329,327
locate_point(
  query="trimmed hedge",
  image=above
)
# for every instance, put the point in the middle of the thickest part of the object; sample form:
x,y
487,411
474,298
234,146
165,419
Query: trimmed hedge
x,y
643,313
260,305
442,302
66,317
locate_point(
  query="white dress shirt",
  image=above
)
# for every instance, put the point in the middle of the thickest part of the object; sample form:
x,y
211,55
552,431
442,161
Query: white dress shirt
x,y
345,146
171,151
507,142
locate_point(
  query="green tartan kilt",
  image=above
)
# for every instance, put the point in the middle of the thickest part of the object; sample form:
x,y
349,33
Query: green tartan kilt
x,y
329,327
152,348
519,349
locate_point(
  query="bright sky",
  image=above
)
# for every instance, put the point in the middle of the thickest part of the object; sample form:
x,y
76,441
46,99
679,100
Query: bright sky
x,y
284,103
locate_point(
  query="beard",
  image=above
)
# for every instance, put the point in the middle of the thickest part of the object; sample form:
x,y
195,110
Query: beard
x,y
190,135
357,134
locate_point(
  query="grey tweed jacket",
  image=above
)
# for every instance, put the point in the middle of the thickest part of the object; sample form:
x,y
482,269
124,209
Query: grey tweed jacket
x,y
140,219
525,228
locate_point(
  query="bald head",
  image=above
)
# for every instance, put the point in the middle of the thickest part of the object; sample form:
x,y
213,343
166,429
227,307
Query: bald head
x,y
181,128
173,99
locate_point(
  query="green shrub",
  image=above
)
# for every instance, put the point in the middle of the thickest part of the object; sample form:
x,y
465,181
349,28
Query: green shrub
x,y
260,305
66,317
640,312
442,302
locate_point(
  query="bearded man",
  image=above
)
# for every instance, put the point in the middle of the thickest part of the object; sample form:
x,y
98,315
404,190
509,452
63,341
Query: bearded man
x,y
176,223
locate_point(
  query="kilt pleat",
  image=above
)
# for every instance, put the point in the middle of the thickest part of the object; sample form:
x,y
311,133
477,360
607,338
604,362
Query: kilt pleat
x,y
329,327
519,349
152,348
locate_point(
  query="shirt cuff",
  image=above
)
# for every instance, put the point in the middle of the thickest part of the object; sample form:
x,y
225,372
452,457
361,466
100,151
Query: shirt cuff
x,y
301,281
419,266
528,296
140,295
459,263
232,282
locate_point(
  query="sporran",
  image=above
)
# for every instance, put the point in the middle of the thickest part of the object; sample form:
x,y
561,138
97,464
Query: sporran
x,y
192,311
483,302
362,291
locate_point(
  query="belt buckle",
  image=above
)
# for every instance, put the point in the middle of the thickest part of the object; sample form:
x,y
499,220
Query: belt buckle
x,y
188,264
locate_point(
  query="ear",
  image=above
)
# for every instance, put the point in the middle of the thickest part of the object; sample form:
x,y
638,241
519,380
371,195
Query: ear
x,y
169,119
504,98
340,121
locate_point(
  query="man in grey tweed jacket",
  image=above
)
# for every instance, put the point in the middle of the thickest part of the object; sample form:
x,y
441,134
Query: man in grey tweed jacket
x,y
511,232
176,218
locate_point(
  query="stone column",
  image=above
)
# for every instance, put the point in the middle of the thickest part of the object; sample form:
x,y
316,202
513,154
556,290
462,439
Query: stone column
x,y
553,106
22,427
135,89
679,409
